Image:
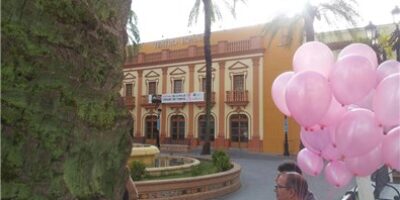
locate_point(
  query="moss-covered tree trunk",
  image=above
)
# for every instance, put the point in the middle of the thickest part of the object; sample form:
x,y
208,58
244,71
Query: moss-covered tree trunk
x,y
64,131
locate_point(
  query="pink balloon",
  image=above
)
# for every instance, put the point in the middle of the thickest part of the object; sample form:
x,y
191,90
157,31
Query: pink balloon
x,y
337,174
366,102
309,162
386,103
352,78
330,153
334,113
308,97
278,91
366,164
391,149
332,131
387,68
357,133
316,141
305,58
360,50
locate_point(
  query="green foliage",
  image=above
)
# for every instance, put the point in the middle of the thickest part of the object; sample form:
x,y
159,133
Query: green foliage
x,y
64,129
221,160
138,170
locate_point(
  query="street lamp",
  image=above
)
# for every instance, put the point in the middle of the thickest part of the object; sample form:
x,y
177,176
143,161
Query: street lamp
x,y
372,32
286,143
395,37
373,35
156,99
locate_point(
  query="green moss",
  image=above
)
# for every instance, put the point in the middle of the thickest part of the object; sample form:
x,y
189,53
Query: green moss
x,y
64,132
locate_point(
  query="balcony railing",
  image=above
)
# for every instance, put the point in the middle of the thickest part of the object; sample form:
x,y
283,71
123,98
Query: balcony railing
x,y
237,98
129,102
146,104
195,52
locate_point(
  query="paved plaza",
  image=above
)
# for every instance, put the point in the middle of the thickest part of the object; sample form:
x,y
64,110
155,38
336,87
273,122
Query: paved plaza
x,y
258,174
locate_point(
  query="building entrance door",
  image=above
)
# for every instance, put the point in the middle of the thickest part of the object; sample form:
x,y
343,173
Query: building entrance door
x,y
239,131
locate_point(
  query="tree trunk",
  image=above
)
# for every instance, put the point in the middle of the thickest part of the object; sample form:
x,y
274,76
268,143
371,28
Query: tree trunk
x,y
309,22
64,128
207,54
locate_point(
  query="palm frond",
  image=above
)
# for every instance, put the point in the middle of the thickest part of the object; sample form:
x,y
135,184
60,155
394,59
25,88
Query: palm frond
x,y
216,14
277,24
340,9
194,13
133,34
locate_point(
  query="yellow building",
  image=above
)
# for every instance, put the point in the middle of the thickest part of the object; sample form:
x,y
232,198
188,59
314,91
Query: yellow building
x,y
245,63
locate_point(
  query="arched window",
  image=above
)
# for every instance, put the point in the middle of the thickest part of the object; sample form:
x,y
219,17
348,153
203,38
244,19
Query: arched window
x,y
202,127
177,127
151,127
239,125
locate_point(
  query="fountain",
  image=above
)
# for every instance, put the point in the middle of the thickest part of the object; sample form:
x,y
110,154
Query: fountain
x,y
199,187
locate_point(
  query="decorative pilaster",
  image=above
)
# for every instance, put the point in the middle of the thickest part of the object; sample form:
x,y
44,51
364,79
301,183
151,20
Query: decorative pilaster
x,y
190,136
220,139
138,133
163,133
255,143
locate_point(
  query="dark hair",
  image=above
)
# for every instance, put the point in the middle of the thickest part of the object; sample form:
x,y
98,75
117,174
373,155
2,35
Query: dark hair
x,y
297,182
289,167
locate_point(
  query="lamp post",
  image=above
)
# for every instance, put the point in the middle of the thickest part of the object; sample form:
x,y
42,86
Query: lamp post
x,y
156,99
286,143
373,35
395,37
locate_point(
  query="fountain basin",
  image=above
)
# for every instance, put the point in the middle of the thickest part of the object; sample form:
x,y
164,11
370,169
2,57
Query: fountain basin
x,y
199,187
166,165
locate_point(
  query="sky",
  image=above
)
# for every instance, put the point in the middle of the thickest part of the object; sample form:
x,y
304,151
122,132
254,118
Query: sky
x,y
162,19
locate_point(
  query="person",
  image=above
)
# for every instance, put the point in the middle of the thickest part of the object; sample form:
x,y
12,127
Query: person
x,y
289,167
291,186
293,167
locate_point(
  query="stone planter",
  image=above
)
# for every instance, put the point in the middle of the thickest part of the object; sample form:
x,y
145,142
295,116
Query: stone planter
x,y
199,187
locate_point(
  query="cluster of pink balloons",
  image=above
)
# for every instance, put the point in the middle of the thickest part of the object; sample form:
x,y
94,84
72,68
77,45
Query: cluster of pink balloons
x,y
349,110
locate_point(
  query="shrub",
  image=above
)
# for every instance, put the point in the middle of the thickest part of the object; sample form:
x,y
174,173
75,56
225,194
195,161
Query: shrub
x,y
221,160
138,170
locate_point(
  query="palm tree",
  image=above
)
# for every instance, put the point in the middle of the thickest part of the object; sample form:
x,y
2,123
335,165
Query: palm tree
x,y
133,34
64,130
211,14
329,12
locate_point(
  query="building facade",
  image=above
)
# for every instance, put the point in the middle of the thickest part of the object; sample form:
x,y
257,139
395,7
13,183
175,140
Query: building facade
x,y
245,63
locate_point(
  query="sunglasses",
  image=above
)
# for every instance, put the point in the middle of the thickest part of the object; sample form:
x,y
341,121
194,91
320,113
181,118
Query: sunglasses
x,y
280,186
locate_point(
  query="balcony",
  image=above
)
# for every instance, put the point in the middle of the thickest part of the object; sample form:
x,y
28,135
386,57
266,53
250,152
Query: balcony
x,y
237,98
203,103
146,104
129,102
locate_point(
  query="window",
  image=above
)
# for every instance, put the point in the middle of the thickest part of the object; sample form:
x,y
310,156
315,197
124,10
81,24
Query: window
x,y
238,82
239,128
202,127
151,127
152,87
178,86
203,85
178,127
128,90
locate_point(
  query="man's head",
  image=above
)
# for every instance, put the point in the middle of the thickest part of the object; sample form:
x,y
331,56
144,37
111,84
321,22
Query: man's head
x,y
291,186
289,167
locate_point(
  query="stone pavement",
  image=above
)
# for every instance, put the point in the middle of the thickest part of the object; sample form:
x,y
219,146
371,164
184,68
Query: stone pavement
x,y
258,177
